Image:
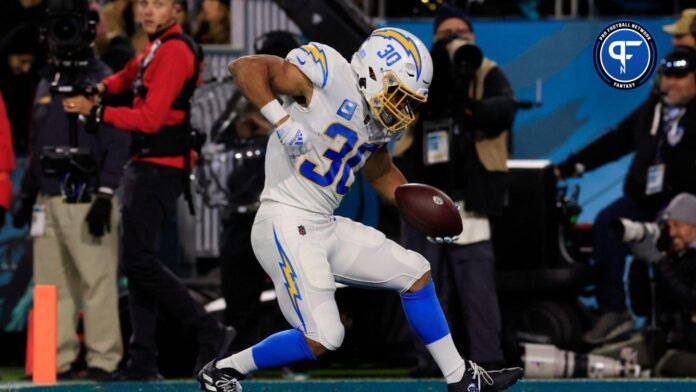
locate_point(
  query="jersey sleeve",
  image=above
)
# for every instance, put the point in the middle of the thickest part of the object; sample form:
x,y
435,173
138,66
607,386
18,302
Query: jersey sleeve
x,y
315,60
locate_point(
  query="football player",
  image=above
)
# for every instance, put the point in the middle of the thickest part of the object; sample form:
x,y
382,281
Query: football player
x,y
336,119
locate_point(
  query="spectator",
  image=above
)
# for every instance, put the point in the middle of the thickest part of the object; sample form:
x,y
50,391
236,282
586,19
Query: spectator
x,y
460,146
118,50
213,23
683,31
6,162
14,13
662,134
18,78
75,244
164,80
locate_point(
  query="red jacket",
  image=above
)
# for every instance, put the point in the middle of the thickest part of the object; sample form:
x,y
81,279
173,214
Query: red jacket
x,y
164,78
7,160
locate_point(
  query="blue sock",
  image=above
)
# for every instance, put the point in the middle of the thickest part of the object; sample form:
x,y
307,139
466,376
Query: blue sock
x,y
281,348
424,314
426,318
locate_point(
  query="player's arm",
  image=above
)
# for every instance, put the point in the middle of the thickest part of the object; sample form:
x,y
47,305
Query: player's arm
x,y
383,175
261,77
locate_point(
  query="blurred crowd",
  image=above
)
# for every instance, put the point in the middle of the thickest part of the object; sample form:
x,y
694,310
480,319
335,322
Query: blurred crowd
x,y
119,37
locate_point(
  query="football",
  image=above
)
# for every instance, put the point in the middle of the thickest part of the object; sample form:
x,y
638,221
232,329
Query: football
x,y
429,210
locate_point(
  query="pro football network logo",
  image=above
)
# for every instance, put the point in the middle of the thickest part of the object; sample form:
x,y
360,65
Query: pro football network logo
x,y
625,55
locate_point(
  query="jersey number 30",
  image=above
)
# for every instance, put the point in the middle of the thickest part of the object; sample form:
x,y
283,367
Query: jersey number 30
x,y
308,169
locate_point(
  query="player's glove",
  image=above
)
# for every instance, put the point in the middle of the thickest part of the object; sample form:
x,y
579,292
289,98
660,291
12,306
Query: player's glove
x,y
443,240
293,137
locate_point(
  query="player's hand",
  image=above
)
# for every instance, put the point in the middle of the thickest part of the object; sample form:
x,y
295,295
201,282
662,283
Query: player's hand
x,y
294,137
443,240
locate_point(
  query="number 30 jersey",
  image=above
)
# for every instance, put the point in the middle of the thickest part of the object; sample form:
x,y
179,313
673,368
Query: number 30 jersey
x,y
335,120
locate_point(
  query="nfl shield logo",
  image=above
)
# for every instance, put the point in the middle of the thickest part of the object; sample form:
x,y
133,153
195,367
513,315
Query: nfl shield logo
x,y
301,230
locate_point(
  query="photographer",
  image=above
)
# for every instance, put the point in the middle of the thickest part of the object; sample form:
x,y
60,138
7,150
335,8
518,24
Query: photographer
x,y
662,134
460,146
74,227
163,79
670,340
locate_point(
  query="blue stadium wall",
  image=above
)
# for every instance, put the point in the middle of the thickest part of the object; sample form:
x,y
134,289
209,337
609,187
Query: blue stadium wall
x,y
577,105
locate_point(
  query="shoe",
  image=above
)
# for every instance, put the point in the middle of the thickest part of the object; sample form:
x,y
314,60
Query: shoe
x,y
214,346
135,374
219,380
476,379
69,374
100,375
609,327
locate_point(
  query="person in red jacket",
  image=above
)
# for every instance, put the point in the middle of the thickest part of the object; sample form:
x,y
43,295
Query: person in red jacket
x,y
7,163
163,80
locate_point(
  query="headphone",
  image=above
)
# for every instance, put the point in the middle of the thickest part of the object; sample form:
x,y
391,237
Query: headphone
x,y
692,26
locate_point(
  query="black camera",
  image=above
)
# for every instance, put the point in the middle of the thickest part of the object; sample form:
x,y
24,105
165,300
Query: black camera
x,y
455,62
466,58
69,32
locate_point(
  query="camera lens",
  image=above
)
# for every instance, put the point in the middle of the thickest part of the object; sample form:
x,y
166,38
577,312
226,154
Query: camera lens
x,y
65,30
468,57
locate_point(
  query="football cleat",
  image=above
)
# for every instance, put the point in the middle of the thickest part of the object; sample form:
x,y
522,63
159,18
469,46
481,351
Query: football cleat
x,y
219,380
476,379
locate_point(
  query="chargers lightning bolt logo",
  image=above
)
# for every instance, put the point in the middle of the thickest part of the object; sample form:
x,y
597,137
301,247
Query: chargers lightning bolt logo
x,y
290,279
319,57
406,42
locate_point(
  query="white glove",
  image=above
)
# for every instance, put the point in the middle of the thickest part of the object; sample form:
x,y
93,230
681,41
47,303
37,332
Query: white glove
x,y
293,137
443,240
446,240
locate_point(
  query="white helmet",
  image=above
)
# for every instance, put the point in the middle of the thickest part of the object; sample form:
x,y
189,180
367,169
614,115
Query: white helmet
x,y
394,71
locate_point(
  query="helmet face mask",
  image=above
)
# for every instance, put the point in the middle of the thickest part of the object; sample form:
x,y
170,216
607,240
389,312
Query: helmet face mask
x,y
395,107
394,70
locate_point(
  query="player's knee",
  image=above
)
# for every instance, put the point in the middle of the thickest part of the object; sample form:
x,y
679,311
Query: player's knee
x,y
420,283
329,334
315,347
331,337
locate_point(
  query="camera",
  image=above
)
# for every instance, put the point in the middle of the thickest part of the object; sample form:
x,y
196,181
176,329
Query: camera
x,y
629,231
465,57
547,361
69,32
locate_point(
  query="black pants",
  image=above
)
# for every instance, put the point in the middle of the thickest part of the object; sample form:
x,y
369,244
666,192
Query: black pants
x,y
243,279
467,275
150,193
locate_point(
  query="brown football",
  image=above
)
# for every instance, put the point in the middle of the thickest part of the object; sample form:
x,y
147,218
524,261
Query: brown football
x,y
428,209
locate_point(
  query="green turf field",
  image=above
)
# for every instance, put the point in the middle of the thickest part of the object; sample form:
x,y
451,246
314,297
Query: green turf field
x,y
394,385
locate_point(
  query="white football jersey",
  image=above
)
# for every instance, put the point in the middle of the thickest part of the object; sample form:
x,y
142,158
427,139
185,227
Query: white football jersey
x,y
341,134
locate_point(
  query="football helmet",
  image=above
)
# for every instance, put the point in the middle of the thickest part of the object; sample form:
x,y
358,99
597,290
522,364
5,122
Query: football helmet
x,y
394,71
